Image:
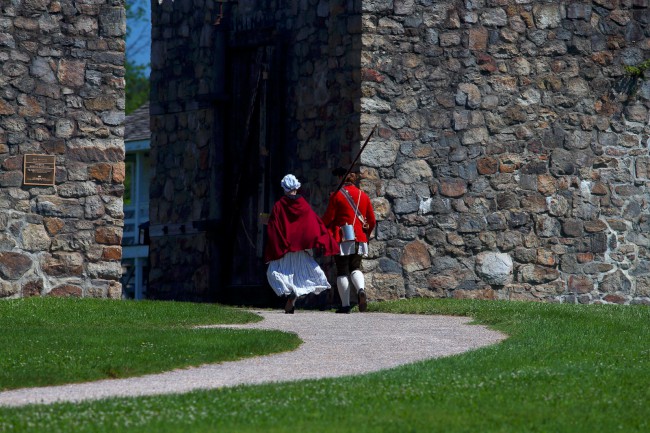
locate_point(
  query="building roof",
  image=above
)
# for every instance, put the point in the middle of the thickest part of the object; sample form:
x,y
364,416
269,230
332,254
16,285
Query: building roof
x,y
136,124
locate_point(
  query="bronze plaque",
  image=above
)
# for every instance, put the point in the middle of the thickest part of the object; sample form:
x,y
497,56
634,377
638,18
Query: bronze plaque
x,y
39,170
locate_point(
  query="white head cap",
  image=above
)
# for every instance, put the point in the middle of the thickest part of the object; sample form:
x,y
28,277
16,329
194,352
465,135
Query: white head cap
x,y
289,183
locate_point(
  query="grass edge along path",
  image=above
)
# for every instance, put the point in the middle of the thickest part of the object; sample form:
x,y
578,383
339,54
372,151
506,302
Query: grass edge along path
x,y
564,368
53,341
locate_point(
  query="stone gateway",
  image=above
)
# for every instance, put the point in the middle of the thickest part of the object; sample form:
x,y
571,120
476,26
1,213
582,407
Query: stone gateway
x,y
511,159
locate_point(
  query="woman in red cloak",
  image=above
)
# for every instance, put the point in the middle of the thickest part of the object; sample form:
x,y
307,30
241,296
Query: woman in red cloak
x,y
294,228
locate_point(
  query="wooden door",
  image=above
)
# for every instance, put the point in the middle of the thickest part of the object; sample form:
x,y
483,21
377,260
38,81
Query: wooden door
x,y
253,150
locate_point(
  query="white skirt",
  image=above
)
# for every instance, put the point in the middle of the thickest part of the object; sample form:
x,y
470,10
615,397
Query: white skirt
x,y
297,273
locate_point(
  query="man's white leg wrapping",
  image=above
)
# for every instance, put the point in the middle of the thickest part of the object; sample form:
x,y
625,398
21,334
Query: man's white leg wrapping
x,y
358,280
343,284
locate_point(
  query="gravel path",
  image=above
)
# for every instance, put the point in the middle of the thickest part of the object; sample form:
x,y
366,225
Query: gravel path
x,y
334,345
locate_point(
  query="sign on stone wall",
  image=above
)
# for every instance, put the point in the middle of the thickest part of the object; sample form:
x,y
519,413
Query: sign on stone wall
x,y
39,170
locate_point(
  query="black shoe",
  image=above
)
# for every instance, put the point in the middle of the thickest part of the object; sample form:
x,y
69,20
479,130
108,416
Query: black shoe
x,y
343,310
289,307
363,303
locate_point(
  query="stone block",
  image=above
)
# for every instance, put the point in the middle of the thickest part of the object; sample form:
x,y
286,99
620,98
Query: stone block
x,y
100,103
11,179
71,73
494,17
112,21
475,136
470,224
579,11
520,292
615,299
77,189
53,225
524,255
108,235
375,6
547,16
572,228
468,95
598,243
487,165
385,287
580,284
496,221
35,238
545,257
546,226
440,283
8,289
415,257
534,274
486,63
66,291
32,288
507,201
449,39
597,268
414,171
595,226
63,264
105,270
14,265
508,240
53,206
114,290
482,294
100,172
478,39
453,187
615,282
642,287
494,268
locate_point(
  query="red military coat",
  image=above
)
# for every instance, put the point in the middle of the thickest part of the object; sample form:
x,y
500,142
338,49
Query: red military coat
x,y
339,212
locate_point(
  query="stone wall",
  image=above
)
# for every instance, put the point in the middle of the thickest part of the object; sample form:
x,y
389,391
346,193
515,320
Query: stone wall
x,y
322,83
185,77
512,155
62,94
510,160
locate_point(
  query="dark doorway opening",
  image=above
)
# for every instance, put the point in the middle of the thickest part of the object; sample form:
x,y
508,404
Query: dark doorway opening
x,y
254,162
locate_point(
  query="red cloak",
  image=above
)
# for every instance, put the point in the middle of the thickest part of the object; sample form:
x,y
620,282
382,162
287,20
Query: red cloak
x,y
294,226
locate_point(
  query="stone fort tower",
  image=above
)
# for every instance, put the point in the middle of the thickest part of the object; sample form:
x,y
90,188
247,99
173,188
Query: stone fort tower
x,y
61,147
510,162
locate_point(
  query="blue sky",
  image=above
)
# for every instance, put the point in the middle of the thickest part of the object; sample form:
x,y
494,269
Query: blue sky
x,y
138,44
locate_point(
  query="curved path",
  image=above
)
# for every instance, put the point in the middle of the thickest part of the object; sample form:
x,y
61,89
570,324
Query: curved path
x,y
333,345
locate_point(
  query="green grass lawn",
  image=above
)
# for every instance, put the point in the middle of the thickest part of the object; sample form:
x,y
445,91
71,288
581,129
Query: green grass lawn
x,y
564,368
55,341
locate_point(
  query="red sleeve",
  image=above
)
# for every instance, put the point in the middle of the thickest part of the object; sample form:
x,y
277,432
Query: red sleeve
x,y
369,215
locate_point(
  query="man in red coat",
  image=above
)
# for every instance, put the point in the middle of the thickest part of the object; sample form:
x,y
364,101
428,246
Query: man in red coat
x,y
350,218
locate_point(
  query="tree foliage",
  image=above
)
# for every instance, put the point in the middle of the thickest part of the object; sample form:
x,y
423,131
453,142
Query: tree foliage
x,y
137,86
136,75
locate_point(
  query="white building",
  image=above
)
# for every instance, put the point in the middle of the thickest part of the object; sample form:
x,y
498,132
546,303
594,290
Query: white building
x,y
135,248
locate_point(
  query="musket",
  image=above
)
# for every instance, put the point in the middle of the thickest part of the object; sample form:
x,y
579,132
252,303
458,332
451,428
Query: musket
x,y
355,159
